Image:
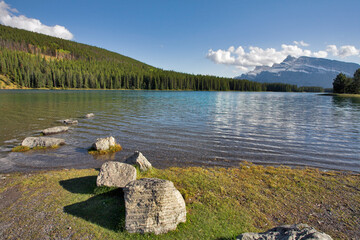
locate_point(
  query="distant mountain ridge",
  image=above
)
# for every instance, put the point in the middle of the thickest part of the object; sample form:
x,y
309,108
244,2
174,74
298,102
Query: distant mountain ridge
x,y
302,71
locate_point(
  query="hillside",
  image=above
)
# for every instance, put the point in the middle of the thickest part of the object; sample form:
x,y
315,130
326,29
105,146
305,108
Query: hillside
x,y
33,60
302,71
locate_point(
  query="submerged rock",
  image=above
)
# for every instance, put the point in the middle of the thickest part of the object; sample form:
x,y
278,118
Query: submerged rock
x,y
139,160
153,205
89,115
287,232
115,174
103,144
54,130
69,121
32,142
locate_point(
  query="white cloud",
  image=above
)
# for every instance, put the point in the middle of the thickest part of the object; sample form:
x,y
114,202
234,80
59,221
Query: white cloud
x,y
8,18
343,51
346,51
320,54
332,49
256,56
301,43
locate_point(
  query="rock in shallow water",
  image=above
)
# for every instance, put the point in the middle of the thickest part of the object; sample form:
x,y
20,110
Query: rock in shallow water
x,y
115,174
103,144
139,160
89,115
153,205
54,130
69,121
287,232
32,142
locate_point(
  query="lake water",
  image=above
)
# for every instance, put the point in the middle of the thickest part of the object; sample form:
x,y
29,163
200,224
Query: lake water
x,y
184,128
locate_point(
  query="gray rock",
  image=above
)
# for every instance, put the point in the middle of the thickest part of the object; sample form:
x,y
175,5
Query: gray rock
x,y
32,142
115,174
89,115
69,121
104,143
54,130
153,205
287,232
139,160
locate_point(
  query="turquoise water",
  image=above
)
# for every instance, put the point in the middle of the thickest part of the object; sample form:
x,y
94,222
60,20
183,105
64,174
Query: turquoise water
x,y
184,128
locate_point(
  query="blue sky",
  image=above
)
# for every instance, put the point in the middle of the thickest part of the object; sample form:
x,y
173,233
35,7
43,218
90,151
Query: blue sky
x,y
222,38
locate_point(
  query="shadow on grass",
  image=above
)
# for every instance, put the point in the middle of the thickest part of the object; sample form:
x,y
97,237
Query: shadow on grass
x,y
106,210
83,185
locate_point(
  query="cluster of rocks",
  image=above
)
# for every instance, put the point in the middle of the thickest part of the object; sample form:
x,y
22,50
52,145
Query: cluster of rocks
x,y
33,142
287,232
151,204
154,205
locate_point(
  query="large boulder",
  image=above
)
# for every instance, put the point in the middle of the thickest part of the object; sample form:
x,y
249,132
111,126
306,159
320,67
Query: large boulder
x,y
103,144
115,174
287,232
139,160
54,130
153,205
32,142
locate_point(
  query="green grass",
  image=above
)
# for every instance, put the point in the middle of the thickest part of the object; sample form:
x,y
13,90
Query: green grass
x,y
112,149
221,203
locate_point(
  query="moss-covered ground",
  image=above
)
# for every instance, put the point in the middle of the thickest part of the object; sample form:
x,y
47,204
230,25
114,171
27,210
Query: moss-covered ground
x,y
221,203
25,148
112,149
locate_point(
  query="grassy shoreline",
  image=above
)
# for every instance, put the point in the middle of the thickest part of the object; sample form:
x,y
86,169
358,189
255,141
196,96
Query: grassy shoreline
x,y
341,95
221,203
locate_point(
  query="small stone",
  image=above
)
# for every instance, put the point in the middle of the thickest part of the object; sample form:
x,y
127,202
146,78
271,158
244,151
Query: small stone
x,y
69,121
54,130
115,174
32,142
139,160
153,205
104,143
287,232
89,115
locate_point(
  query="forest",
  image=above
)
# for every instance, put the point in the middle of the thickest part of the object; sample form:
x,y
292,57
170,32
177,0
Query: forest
x,y
33,60
344,84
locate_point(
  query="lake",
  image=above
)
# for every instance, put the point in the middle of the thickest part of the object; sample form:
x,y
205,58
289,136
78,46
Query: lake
x,y
184,128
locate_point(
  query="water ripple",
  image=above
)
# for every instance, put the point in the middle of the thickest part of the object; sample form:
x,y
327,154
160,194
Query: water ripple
x,y
185,128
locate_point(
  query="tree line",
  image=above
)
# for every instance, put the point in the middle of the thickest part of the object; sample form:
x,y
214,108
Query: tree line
x,y
35,60
344,84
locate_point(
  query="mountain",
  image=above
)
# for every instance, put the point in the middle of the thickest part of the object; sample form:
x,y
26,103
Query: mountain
x,y
302,71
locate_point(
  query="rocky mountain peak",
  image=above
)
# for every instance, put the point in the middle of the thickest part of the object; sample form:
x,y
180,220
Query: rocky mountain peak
x,y
302,71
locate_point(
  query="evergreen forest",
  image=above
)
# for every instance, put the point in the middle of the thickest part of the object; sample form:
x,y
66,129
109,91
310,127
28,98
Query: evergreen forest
x,y
344,84
33,60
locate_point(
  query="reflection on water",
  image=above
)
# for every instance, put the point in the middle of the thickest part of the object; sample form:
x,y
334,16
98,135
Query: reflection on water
x,y
185,128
